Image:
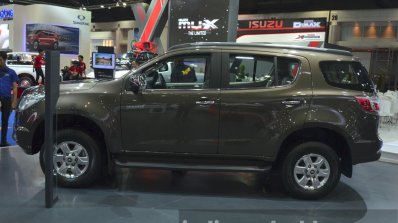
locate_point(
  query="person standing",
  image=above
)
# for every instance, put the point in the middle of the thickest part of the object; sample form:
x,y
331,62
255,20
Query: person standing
x,y
38,62
82,66
8,81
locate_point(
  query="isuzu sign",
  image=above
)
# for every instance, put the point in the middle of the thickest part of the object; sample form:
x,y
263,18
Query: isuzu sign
x,y
270,24
307,24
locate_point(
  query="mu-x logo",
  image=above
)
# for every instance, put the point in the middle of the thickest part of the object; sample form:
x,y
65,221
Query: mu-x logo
x,y
270,24
201,25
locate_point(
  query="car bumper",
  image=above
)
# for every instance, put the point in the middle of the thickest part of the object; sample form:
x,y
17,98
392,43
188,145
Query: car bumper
x,y
366,151
23,135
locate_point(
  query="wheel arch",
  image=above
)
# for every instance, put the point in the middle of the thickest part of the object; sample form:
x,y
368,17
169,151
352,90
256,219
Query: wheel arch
x,y
329,136
74,121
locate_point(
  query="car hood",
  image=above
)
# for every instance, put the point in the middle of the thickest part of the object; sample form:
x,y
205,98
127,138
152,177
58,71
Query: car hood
x,y
80,85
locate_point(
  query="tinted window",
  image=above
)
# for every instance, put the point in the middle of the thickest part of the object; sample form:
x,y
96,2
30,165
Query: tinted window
x,y
347,75
261,71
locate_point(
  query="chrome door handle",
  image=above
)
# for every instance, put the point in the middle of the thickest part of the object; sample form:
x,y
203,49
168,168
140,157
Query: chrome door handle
x,y
205,102
292,102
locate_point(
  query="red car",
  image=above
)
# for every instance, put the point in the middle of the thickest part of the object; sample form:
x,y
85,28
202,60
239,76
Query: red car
x,y
42,38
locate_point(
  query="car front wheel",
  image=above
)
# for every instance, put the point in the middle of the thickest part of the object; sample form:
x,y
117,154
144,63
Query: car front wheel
x,y
310,170
76,158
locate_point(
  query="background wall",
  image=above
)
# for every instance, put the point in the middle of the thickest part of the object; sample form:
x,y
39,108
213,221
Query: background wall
x,y
48,14
118,34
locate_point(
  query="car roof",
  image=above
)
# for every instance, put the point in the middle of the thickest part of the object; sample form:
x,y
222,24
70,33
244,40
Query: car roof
x,y
258,45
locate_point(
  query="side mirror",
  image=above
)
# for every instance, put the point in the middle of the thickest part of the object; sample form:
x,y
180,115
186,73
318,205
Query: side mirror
x,y
137,83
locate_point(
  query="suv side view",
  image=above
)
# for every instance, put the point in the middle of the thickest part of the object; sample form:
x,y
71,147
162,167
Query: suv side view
x,y
42,38
308,114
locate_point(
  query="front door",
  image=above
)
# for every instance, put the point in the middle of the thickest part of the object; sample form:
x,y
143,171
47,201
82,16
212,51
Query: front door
x,y
178,112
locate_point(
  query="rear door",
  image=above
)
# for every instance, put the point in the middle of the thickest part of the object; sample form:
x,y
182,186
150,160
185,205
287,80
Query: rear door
x,y
263,97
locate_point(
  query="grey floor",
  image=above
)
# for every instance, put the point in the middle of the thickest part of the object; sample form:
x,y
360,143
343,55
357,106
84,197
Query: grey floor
x,y
199,197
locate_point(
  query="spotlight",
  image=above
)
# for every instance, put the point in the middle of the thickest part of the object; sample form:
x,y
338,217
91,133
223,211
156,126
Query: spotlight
x,y
109,7
102,6
117,4
124,4
84,8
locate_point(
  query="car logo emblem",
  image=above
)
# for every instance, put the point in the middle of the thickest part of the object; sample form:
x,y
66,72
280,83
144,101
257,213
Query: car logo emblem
x,y
81,17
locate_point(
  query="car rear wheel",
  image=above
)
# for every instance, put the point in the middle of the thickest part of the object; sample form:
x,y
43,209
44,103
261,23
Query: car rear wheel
x,y
76,158
310,170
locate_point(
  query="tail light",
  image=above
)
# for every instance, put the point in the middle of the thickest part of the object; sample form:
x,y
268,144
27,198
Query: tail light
x,y
369,104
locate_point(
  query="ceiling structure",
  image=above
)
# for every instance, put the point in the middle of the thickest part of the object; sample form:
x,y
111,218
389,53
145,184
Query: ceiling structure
x,y
117,10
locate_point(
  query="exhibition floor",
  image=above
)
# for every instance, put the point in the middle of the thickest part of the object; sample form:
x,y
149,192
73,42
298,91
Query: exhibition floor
x,y
159,196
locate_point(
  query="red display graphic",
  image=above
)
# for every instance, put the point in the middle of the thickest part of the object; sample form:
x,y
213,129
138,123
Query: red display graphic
x,y
151,23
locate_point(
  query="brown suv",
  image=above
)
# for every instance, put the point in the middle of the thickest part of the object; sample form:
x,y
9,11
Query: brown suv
x,y
309,114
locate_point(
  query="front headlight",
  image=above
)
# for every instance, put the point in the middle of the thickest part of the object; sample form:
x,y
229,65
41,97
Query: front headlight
x,y
29,100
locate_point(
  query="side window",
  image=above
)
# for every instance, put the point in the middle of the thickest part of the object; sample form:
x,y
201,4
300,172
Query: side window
x,y
346,74
261,71
182,72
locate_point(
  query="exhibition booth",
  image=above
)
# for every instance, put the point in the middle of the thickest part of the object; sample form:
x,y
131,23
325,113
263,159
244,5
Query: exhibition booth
x,y
26,28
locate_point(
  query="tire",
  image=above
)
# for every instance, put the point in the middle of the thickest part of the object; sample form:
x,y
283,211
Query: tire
x,y
35,45
65,166
55,45
26,81
296,168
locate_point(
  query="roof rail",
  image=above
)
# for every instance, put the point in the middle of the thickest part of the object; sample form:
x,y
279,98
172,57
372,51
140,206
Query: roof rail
x,y
341,50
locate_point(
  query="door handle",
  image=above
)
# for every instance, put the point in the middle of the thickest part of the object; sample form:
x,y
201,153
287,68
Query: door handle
x,y
292,102
205,102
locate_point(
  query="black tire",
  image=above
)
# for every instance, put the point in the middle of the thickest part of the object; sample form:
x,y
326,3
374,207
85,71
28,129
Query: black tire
x,y
310,191
94,167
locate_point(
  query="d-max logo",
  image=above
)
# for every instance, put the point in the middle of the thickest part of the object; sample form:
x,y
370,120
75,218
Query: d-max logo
x,y
199,28
81,17
307,24
269,24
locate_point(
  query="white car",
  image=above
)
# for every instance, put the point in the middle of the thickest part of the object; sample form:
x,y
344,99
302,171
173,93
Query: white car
x,y
22,63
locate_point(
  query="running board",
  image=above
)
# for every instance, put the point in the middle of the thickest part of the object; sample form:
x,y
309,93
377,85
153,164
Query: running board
x,y
174,166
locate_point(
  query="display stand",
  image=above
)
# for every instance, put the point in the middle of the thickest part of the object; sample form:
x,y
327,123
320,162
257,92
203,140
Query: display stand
x,y
51,98
104,73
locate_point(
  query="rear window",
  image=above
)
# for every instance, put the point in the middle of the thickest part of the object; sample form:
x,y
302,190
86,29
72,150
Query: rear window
x,y
347,74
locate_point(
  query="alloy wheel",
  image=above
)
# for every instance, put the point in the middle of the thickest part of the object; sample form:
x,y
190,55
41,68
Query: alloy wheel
x,y
70,159
311,171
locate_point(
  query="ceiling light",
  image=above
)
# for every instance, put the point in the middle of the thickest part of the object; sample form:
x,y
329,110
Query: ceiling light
x,y
84,8
124,4
117,4
102,6
109,7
